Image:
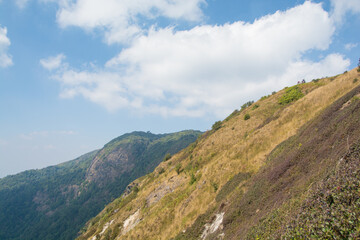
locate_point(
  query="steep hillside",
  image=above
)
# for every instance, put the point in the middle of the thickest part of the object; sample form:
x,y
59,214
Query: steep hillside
x,y
55,202
259,160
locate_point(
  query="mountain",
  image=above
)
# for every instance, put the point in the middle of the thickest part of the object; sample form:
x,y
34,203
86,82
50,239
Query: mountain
x,y
286,166
55,202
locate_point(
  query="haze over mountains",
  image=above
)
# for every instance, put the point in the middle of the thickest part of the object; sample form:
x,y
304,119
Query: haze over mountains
x,y
55,202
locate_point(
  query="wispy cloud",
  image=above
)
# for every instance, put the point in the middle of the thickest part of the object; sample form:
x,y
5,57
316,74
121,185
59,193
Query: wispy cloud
x,y
342,7
52,63
350,46
209,69
21,3
5,58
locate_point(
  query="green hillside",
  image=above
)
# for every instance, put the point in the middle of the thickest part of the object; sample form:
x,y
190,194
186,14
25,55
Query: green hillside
x,y
55,202
282,167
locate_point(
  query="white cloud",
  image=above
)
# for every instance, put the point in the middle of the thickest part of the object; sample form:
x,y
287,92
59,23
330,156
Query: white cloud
x,y
5,58
341,7
210,69
350,46
53,63
21,3
121,19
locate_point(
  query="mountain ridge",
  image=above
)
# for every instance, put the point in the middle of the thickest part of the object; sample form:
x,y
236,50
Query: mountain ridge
x,y
54,202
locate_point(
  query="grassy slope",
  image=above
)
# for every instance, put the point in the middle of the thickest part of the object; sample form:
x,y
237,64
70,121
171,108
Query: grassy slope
x,y
55,202
292,167
239,146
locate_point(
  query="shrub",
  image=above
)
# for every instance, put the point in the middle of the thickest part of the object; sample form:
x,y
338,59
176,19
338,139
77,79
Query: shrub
x,y
273,93
161,170
192,179
247,104
215,186
255,107
247,117
178,168
167,157
291,94
355,80
216,125
264,97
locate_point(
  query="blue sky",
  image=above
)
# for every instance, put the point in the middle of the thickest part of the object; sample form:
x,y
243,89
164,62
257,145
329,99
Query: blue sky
x,y
76,73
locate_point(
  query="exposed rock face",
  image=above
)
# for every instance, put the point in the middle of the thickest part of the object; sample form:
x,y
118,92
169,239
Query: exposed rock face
x,y
131,222
214,226
106,167
164,189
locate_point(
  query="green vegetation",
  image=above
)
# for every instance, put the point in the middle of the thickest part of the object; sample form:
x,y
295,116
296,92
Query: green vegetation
x,y
264,97
167,157
192,178
161,170
255,106
178,168
247,104
355,80
55,202
291,94
332,210
246,116
216,126
215,186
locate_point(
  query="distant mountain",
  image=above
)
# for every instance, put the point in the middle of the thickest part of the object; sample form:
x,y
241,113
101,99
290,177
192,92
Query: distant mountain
x,y
284,167
55,202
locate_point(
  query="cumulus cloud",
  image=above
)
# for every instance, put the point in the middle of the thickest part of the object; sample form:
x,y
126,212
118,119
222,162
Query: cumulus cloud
x,y
121,20
52,63
341,7
5,58
210,69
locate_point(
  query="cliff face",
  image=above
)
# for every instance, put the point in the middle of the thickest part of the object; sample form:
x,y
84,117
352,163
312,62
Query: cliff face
x,y
241,179
55,202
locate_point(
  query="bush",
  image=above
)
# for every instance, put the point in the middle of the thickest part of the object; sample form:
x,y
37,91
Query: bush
x,y
245,105
161,170
264,97
355,80
291,94
255,107
247,117
192,179
178,168
216,125
215,186
167,157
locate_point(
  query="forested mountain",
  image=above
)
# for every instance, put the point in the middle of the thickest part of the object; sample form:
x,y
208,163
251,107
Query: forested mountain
x,y
55,202
284,167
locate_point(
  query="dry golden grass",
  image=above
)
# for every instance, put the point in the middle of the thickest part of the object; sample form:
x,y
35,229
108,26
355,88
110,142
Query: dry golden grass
x,y
238,146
